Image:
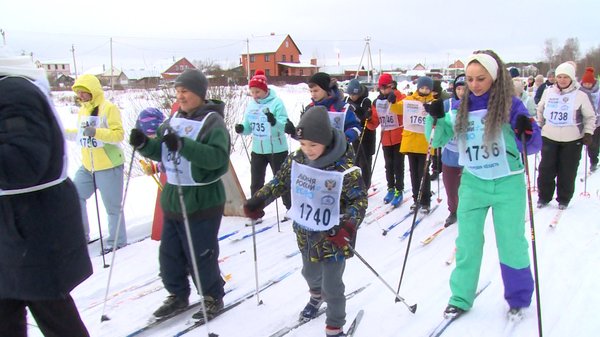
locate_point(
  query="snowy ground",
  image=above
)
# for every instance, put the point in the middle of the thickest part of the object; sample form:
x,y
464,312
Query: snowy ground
x,y
568,260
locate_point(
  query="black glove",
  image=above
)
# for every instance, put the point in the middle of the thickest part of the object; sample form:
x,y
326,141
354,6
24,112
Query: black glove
x,y
587,139
239,128
270,118
289,128
173,141
435,108
523,125
137,138
368,113
253,208
391,98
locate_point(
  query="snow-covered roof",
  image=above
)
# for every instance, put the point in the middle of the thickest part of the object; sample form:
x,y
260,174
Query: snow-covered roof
x,y
136,74
265,44
102,71
297,65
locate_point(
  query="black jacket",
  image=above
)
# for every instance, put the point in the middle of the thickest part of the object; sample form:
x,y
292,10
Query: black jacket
x,y
43,253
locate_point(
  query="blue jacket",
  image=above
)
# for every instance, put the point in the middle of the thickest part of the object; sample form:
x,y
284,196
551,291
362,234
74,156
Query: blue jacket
x,y
335,102
278,137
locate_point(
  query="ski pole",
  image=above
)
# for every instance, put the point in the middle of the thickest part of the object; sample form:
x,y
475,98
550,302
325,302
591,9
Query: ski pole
x,y
104,317
585,193
188,233
438,159
271,164
96,198
376,154
362,135
246,149
258,300
533,247
418,203
411,308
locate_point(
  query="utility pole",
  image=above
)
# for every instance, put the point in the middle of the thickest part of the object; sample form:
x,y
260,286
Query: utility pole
x,y
3,36
112,80
248,58
74,64
369,60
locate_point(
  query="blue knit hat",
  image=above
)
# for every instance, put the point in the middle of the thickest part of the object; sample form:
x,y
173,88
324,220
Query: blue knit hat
x,y
425,81
353,87
149,120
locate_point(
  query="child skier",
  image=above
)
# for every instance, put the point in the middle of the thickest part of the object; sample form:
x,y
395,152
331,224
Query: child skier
x,y
385,110
329,200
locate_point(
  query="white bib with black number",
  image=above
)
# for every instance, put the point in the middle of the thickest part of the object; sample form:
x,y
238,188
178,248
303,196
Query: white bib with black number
x,y
388,120
560,109
337,119
90,142
173,161
414,116
316,196
486,161
261,128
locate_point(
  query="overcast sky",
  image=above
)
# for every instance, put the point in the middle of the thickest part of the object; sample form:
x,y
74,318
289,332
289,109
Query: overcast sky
x,y
401,33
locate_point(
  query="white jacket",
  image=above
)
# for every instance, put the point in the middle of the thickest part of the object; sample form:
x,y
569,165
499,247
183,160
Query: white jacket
x,y
585,116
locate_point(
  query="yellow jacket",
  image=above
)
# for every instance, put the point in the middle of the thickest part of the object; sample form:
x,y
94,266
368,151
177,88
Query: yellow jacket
x,y
413,142
109,130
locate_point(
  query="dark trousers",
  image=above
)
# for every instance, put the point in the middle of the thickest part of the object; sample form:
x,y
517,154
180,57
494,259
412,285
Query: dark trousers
x,y
394,166
55,318
436,161
594,148
416,162
364,161
560,161
451,179
175,259
258,168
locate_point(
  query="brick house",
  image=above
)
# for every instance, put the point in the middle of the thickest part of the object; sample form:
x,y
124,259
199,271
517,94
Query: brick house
x,y
176,69
277,55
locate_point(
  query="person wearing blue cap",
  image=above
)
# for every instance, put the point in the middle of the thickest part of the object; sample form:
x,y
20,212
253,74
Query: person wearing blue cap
x,y
364,148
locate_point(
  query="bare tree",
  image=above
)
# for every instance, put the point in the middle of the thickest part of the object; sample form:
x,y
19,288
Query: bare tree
x,y
549,52
591,59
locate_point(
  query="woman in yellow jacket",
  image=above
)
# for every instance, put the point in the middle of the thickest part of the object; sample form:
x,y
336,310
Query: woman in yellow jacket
x,y
99,133
414,144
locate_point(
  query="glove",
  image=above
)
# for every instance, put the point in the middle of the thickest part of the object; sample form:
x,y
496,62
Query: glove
x,y
270,118
391,98
137,138
289,128
340,236
89,131
435,109
587,139
239,128
253,208
351,135
173,142
368,114
523,126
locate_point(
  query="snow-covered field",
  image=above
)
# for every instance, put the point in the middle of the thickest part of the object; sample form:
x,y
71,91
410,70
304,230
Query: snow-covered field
x,y
568,259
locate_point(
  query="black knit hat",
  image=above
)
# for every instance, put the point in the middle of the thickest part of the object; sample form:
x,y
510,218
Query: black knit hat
x,y
315,126
323,80
437,86
193,80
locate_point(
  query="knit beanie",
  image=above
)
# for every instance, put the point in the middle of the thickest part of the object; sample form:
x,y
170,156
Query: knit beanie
x,y
353,87
193,80
315,126
514,72
323,80
259,80
425,81
566,68
588,76
459,80
385,80
149,120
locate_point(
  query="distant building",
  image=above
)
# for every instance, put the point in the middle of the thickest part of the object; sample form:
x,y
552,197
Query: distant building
x,y
277,55
171,73
53,69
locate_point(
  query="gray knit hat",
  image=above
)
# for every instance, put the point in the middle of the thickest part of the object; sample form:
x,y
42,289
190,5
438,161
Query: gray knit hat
x,y
315,126
425,81
193,80
353,87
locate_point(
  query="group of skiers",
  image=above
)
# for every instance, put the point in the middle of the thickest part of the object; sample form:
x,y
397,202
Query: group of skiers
x,y
482,132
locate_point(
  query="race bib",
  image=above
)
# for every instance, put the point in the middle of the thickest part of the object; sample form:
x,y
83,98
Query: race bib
x,y
260,126
414,116
89,142
388,120
560,109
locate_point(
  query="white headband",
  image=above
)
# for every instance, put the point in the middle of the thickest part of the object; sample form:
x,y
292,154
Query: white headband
x,y
488,62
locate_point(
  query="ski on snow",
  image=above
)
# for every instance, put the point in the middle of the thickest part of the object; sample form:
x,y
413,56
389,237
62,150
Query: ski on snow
x,y
355,323
419,219
556,218
512,320
154,321
285,330
443,325
435,234
249,235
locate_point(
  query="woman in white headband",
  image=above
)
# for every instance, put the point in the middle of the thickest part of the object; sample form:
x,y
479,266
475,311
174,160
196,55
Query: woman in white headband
x,y
489,125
